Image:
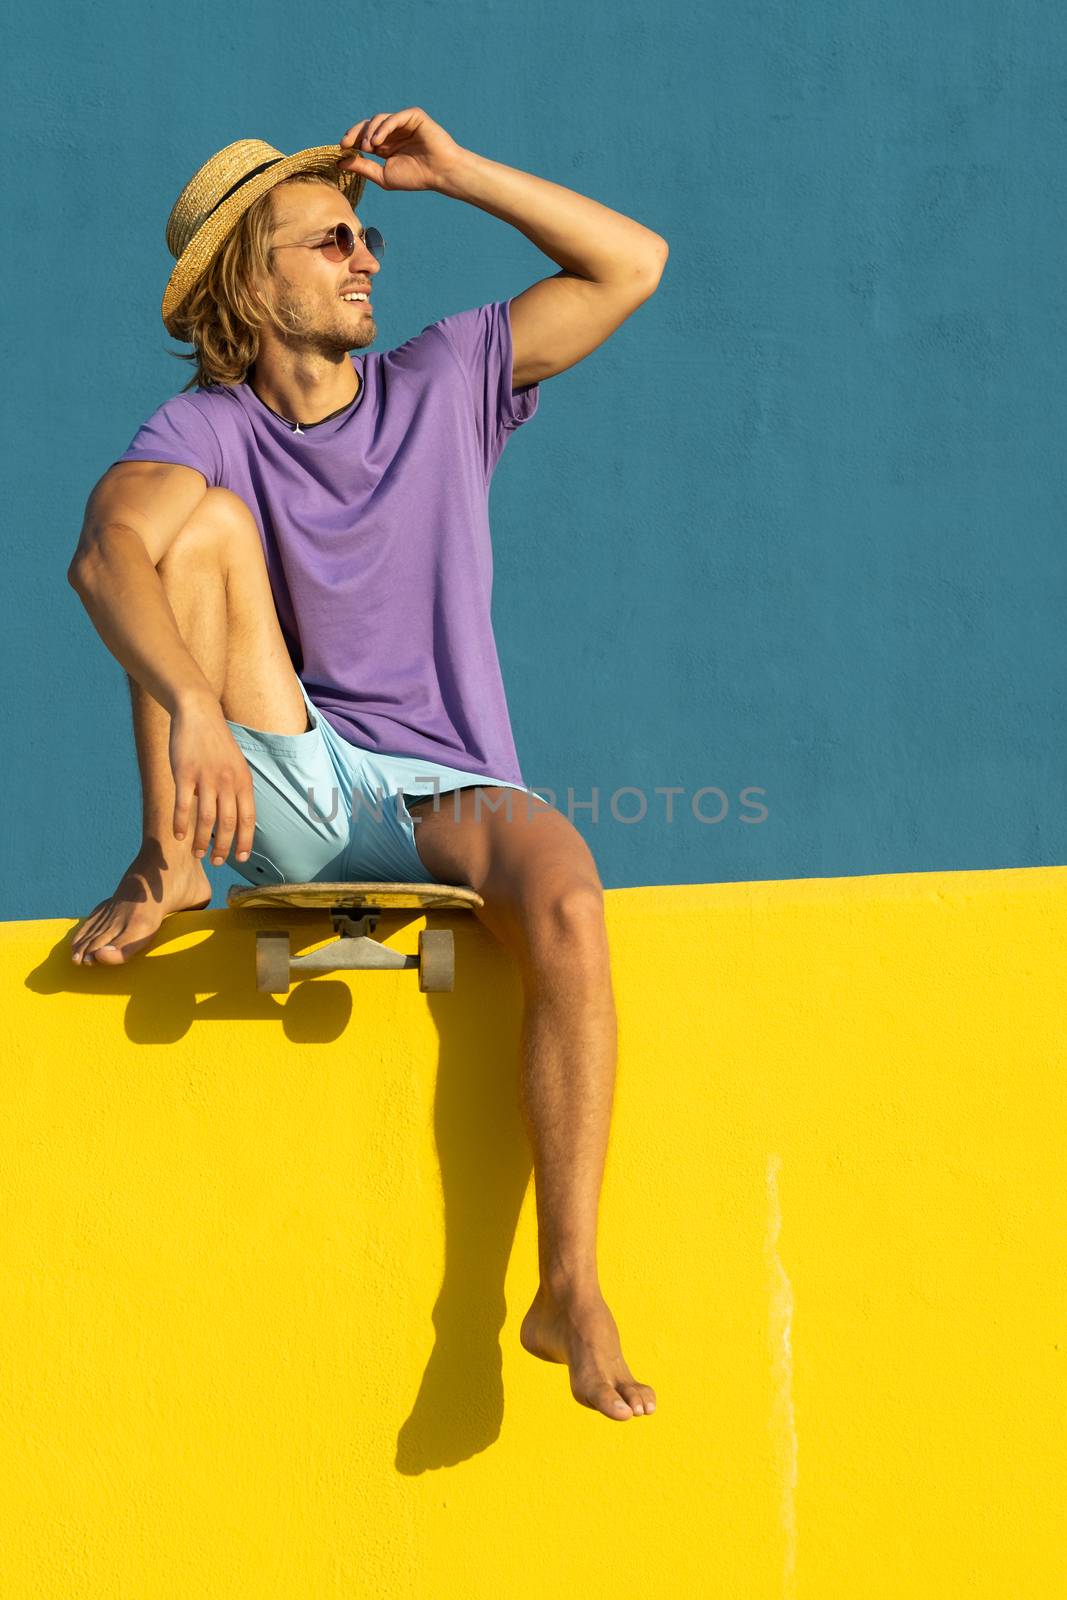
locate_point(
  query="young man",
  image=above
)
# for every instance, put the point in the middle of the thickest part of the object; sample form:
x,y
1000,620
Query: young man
x,y
293,565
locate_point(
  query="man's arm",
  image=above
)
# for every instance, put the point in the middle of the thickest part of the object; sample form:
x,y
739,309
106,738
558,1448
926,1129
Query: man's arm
x,y
132,516
611,264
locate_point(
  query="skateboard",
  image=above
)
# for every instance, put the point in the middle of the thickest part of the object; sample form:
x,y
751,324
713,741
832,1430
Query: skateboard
x,y
354,947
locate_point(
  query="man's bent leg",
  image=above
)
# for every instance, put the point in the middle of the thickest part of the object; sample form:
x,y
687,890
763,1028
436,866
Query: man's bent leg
x,y
216,583
544,902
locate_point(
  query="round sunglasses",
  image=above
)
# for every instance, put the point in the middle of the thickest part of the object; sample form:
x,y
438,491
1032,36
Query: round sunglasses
x,y
340,242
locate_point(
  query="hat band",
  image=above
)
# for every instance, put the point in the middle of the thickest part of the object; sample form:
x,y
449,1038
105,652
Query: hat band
x,y
246,179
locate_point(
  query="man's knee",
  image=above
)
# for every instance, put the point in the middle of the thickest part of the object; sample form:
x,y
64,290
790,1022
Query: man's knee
x,y
577,907
221,523
565,921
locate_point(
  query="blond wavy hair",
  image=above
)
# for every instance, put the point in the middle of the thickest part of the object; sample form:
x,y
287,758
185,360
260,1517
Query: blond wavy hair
x,y
222,316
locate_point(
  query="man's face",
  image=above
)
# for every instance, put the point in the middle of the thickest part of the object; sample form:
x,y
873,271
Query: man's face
x,y
306,284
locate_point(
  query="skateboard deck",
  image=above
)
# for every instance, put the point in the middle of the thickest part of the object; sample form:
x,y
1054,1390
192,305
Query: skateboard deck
x,y
386,896
354,948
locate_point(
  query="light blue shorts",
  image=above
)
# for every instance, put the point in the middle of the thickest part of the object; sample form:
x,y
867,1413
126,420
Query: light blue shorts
x,y
329,810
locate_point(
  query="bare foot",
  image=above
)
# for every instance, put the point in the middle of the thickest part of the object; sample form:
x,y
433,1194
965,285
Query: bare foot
x,y
148,891
581,1331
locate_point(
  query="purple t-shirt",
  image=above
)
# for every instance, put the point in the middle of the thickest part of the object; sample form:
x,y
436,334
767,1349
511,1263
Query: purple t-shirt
x,y
375,529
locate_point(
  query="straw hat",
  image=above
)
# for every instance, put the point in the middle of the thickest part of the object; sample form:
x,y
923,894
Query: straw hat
x,y
218,195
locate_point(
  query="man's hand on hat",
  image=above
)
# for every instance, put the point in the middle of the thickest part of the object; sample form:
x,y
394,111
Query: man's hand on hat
x,y
417,151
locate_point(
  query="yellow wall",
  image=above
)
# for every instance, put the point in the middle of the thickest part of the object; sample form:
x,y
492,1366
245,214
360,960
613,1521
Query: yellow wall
x,y
263,1262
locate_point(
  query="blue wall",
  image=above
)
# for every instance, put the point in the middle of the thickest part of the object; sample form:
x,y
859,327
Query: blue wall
x,y
797,527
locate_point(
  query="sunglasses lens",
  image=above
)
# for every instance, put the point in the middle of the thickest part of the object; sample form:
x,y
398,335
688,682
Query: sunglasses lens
x,y
344,242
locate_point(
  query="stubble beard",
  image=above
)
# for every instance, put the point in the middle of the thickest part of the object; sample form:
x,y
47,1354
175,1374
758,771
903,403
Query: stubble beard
x,y
310,329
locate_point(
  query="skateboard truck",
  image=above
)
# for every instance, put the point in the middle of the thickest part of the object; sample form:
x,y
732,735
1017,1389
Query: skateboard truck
x,y
354,948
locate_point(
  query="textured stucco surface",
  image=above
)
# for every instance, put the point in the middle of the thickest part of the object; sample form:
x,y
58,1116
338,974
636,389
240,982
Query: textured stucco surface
x,y
263,1262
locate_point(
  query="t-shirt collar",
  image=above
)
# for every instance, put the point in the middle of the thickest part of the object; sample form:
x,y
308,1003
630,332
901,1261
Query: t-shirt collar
x,y
306,427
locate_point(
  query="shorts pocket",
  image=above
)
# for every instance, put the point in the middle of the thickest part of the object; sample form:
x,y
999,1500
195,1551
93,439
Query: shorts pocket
x,y
287,745
250,739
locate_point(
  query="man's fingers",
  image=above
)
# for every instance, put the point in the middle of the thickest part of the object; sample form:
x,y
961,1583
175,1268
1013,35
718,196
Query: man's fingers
x,y
205,818
225,823
236,812
219,787
183,800
246,808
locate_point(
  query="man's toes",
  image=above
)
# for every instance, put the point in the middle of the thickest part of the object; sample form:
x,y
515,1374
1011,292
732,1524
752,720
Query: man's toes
x,y
113,953
83,935
606,1398
88,945
108,954
640,1396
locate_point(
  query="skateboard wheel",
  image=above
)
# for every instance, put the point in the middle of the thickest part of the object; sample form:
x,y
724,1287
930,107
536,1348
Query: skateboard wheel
x,y
272,963
437,960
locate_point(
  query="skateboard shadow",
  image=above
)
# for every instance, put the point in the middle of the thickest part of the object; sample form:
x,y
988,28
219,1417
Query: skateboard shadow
x,y
200,969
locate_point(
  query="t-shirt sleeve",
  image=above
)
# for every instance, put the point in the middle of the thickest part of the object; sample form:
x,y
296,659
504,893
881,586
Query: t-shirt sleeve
x,y
481,341
179,433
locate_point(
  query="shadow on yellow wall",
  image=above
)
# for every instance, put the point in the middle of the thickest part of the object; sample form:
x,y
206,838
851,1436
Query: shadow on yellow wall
x,y
263,1261
200,971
